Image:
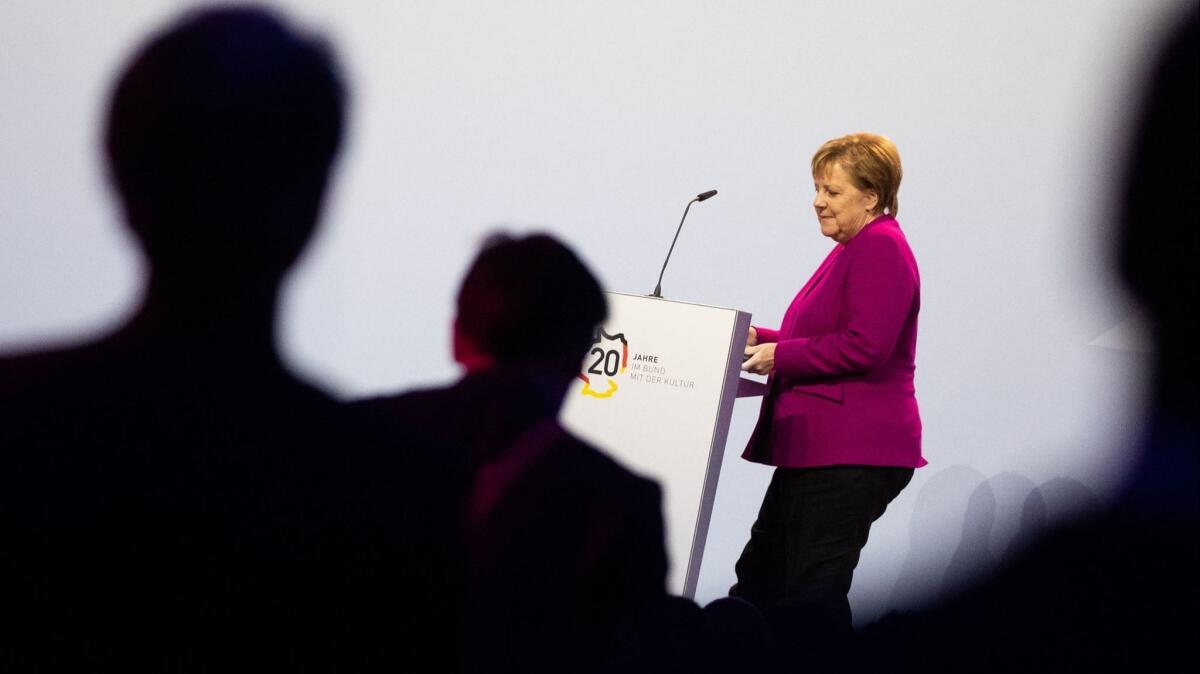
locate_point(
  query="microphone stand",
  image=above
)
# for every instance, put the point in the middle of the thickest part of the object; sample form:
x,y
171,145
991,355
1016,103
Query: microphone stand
x,y
658,288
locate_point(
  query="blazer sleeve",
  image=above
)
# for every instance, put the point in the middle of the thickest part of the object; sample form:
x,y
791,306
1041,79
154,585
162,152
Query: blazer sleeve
x,y
877,298
766,335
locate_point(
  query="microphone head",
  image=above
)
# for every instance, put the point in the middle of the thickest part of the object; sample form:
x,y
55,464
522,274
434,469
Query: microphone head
x,y
706,195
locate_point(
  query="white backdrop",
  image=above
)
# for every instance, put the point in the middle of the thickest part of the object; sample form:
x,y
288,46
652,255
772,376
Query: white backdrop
x,y
597,121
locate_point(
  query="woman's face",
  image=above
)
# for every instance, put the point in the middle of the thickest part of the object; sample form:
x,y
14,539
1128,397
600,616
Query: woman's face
x,y
842,209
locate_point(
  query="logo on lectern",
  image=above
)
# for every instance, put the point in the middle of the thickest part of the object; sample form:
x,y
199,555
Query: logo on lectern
x,y
608,358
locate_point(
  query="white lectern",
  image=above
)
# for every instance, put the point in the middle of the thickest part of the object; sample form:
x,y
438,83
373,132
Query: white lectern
x,y
656,392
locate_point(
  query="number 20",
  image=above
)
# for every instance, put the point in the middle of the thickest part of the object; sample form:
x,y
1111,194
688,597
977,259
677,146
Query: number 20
x,y
611,360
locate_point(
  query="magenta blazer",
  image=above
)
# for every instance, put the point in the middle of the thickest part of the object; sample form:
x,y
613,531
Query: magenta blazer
x,y
842,390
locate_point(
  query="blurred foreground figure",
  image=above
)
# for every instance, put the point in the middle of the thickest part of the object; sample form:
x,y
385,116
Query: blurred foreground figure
x,y
1115,590
566,546
171,498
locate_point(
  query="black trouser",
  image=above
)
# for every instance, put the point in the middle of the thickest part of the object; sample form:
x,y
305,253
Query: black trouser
x,y
811,527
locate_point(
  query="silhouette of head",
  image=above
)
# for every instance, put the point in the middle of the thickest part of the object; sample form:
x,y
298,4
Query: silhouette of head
x,y
220,137
527,301
1156,248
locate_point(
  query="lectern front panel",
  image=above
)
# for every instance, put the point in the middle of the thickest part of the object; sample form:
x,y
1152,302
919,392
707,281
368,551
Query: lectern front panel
x,y
656,392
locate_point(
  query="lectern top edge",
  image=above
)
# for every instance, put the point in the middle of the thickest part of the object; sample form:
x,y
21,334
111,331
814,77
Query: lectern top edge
x,y
666,299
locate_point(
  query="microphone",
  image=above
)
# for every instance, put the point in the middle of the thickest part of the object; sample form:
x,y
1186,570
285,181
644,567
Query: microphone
x,y
699,197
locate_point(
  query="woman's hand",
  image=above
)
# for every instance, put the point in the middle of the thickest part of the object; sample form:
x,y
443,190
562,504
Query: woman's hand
x,y
752,338
761,358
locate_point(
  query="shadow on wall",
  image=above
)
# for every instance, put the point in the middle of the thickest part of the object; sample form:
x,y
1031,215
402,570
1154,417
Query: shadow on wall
x,y
929,553
1001,515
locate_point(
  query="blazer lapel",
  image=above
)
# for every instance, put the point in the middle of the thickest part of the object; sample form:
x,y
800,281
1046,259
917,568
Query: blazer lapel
x,y
790,317
821,271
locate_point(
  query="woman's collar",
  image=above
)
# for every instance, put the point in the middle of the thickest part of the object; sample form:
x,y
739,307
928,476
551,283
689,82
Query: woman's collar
x,y
882,217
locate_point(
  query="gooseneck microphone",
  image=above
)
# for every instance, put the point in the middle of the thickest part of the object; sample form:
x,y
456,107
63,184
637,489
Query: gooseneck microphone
x,y
699,197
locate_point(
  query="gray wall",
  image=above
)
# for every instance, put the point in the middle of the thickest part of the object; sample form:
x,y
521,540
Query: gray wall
x,y
597,121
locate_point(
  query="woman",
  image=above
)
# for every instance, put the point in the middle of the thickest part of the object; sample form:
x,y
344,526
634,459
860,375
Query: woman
x,y
839,419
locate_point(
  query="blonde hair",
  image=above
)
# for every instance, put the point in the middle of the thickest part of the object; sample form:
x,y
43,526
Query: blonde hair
x,y
871,161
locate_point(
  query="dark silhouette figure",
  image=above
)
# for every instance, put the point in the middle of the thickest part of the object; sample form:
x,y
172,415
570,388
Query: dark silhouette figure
x,y
171,498
1116,588
741,637
566,546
